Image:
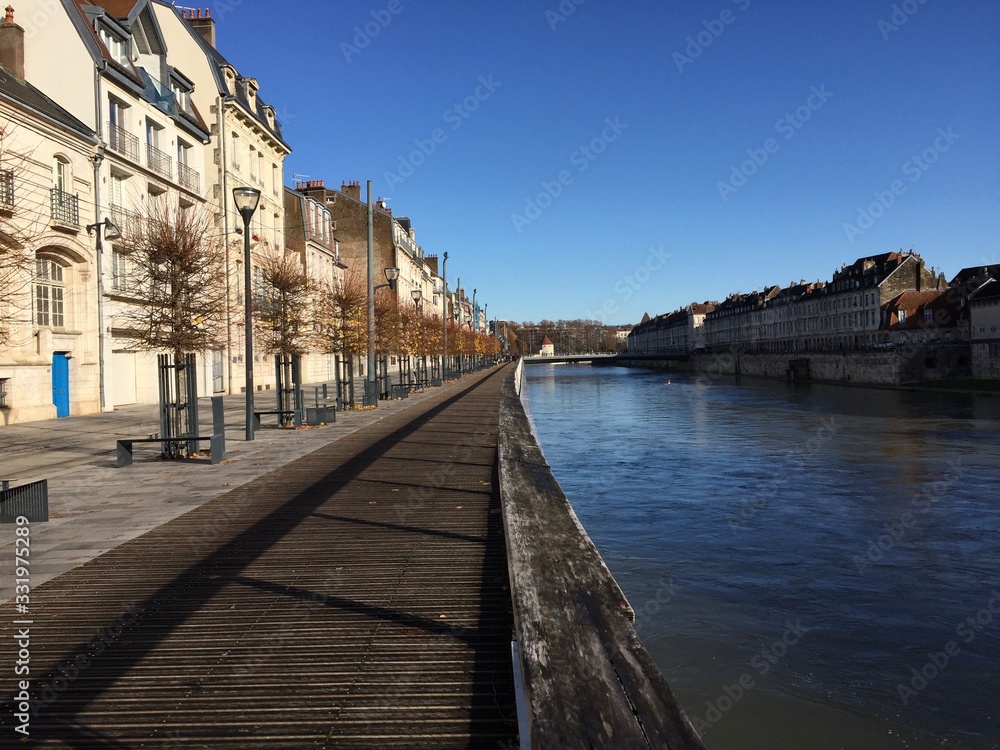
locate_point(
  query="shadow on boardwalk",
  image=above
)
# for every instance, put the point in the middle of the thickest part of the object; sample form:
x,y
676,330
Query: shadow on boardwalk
x,y
355,598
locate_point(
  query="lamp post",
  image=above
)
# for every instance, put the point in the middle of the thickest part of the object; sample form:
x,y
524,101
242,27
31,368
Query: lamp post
x,y
106,230
246,199
391,274
417,295
475,312
444,318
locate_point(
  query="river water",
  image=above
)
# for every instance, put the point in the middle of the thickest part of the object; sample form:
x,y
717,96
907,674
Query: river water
x,y
813,567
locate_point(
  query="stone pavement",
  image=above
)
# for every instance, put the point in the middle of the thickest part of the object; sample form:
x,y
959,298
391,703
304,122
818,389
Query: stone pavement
x,y
94,507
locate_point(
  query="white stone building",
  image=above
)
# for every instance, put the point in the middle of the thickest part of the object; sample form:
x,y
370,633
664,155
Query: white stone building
x,y
50,355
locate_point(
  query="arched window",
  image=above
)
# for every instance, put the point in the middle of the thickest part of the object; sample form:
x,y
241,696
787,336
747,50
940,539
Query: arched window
x,y
62,175
50,292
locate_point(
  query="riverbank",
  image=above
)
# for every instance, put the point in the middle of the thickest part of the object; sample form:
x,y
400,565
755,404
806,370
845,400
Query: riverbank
x,y
854,369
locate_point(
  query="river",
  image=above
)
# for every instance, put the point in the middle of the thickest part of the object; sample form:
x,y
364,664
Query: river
x,y
813,567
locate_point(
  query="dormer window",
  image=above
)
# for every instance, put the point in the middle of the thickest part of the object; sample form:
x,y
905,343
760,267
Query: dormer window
x,y
269,114
251,88
118,46
230,80
181,97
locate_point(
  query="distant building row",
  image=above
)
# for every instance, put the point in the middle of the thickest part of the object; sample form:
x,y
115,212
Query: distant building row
x,y
106,108
876,303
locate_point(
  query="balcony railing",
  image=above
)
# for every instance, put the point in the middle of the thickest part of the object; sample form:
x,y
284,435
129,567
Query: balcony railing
x,y
123,142
65,208
158,161
3,393
188,177
126,221
7,188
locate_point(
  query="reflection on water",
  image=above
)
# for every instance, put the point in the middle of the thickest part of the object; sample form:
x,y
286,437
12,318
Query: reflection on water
x,y
812,567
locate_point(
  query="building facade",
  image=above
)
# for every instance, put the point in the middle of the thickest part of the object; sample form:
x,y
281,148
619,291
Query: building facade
x,y
49,338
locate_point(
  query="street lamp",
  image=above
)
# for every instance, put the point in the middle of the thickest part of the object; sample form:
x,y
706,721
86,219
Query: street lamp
x,y
106,230
417,295
246,199
391,275
444,317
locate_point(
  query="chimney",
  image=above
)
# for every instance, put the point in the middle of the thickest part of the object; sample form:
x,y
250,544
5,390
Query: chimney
x,y
203,24
12,45
352,190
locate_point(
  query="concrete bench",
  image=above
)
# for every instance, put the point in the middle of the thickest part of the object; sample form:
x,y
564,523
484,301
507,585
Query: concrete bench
x,y
280,413
126,447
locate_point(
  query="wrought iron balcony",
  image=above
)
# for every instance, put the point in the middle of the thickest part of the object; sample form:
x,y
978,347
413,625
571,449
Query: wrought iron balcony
x,y
158,161
126,221
188,177
123,142
7,188
65,208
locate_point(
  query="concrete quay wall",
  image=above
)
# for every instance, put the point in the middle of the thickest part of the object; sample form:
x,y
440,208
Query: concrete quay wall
x,y
875,368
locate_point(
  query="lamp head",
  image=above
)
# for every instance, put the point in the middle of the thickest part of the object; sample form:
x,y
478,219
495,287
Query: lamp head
x,y
417,295
391,274
111,230
246,199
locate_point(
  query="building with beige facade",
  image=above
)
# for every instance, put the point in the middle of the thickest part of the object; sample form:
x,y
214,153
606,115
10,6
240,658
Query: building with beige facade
x,y
49,339
247,150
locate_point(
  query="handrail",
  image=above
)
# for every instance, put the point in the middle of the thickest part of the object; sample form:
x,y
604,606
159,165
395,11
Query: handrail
x,y
588,680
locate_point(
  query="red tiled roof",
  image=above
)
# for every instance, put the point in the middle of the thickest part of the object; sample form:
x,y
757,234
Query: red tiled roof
x,y
545,341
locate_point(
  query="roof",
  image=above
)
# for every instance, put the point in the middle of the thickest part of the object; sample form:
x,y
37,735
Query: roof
x,y
546,341
126,12
914,303
219,61
988,291
26,95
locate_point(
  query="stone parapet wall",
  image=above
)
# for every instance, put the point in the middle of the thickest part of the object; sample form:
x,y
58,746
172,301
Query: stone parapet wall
x,y
986,360
880,368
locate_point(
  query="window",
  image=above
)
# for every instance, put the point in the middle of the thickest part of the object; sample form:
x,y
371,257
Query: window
x,y
181,96
928,317
260,167
116,112
117,46
253,163
236,152
117,190
61,178
901,314
120,270
275,181
49,294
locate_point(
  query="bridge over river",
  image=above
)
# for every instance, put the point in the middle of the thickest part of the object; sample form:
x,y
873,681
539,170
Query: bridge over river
x,y
604,359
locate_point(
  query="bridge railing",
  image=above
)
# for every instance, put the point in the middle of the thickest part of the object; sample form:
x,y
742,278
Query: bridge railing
x,y
587,679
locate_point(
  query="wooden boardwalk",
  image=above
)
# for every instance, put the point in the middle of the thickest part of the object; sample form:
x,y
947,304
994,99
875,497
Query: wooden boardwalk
x,y
356,598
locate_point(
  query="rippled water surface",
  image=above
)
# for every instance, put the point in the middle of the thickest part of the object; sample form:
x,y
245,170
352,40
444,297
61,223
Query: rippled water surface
x,y
794,553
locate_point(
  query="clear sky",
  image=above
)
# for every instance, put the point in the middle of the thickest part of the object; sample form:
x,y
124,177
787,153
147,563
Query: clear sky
x,y
603,159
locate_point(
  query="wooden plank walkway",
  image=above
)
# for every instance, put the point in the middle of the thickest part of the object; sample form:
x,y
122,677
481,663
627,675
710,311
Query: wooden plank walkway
x,y
356,598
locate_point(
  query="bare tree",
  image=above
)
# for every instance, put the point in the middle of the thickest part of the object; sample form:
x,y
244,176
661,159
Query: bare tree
x,y
283,304
176,277
340,317
18,225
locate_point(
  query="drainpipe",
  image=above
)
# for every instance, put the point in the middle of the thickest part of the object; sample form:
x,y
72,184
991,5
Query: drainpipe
x,y
223,100
98,159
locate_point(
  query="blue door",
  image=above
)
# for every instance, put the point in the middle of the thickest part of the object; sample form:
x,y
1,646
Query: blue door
x,y
60,383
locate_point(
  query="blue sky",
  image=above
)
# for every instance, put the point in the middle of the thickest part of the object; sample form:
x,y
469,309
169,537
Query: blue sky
x,y
604,159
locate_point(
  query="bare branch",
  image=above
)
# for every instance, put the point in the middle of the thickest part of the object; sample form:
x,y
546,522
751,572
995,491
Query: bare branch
x,y
175,276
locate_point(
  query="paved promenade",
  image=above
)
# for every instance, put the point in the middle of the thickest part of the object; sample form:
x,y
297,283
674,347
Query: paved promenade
x,y
335,587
